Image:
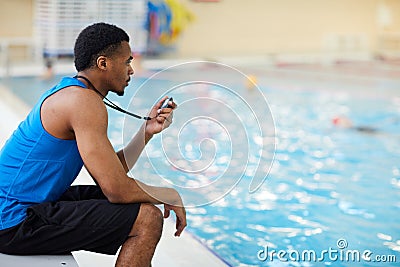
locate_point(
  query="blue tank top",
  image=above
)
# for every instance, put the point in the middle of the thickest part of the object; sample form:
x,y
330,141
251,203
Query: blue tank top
x,y
35,167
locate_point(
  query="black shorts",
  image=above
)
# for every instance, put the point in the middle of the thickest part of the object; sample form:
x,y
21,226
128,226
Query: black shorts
x,y
82,219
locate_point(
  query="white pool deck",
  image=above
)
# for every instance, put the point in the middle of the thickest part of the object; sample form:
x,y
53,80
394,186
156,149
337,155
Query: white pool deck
x,y
171,251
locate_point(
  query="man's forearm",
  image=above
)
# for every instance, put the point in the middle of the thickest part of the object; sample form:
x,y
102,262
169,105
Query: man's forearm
x,y
161,195
130,154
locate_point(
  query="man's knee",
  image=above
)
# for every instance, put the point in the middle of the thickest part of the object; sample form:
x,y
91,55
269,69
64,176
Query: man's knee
x,y
149,222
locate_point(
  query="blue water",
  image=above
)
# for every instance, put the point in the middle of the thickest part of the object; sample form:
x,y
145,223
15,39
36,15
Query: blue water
x,y
326,184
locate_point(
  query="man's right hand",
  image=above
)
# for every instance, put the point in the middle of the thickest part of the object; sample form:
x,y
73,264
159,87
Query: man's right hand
x,y
180,216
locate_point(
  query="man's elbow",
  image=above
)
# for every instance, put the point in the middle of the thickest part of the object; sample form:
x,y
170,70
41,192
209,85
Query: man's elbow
x,y
124,192
115,196
116,199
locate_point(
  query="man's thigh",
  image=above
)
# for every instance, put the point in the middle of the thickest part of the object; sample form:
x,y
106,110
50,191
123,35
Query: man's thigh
x,y
61,227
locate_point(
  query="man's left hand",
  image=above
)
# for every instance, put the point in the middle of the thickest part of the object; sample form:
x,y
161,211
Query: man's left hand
x,y
162,118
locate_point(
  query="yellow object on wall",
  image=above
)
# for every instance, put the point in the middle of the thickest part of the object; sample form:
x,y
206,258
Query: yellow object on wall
x,y
181,16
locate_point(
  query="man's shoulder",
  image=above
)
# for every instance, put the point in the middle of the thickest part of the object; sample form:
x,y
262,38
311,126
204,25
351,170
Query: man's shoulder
x,y
77,96
77,104
86,105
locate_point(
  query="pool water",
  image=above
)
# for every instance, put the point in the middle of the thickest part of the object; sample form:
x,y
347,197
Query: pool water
x,y
329,188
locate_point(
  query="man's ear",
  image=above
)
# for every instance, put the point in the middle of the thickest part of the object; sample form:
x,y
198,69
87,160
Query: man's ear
x,y
102,62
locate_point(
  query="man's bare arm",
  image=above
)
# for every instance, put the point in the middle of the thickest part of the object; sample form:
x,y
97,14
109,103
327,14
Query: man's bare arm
x,y
130,154
89,124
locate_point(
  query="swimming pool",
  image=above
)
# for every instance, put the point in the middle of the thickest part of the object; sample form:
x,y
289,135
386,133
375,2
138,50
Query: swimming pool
x,y
331,191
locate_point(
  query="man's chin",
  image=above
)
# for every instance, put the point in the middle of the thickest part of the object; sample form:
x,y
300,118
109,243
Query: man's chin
x,y
120,93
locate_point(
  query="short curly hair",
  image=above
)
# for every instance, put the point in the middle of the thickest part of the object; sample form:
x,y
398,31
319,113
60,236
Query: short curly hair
x,y
95,40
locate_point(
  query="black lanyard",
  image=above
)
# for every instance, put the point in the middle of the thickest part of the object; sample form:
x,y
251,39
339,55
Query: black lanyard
x,y
109,102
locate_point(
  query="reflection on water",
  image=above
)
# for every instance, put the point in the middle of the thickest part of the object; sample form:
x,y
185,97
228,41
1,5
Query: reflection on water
x,y
325,184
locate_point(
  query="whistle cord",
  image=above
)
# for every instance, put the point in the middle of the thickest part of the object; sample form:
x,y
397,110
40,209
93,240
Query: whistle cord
x,y
109,102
